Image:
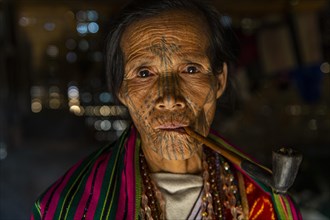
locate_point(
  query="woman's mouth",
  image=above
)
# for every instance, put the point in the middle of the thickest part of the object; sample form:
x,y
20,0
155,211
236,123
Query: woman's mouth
x,y
180,129
171,127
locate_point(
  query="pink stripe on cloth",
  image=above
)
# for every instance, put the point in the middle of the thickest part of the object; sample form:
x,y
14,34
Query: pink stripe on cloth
x,y
53,204
295,212
47,196
127,190
88,188
97,188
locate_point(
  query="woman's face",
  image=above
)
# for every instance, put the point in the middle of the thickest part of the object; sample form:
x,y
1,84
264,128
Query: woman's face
x,y
168,82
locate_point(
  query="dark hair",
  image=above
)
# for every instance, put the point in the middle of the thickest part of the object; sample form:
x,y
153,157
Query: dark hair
x,y
218,52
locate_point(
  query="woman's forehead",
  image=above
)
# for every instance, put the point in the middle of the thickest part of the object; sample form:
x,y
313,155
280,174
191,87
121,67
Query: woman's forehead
x,y
170,31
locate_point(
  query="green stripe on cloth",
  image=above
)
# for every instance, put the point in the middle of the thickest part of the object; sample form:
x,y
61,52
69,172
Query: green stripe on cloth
x,y
111,214
109,176
137,178
75,199
63,207
282,206
36,212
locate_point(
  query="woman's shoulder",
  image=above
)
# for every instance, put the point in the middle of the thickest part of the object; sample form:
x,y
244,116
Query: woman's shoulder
x,y
72,191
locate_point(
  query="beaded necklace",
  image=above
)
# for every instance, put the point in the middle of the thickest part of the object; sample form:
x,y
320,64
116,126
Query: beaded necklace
x,y
220,191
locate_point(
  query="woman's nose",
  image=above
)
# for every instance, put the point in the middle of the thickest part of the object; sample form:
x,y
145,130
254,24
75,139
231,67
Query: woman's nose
x,y
169,94
170,102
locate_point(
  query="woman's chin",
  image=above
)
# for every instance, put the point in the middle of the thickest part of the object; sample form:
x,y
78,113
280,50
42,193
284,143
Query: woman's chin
x,y
179,148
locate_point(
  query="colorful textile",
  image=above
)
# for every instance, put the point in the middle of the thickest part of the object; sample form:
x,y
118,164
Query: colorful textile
x,y
264,203
107,185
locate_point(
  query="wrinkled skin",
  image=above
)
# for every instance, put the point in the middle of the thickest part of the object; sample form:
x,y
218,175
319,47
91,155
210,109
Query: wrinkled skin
x,y
168,84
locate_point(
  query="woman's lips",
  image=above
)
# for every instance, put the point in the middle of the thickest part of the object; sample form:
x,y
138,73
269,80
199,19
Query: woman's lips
x,y
180,130
172,127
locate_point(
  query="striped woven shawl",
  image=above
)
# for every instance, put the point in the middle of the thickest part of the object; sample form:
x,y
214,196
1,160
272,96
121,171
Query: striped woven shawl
x,y
107,185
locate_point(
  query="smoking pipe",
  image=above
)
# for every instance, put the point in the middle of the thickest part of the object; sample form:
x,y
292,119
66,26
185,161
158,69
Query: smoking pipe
x,y
285,164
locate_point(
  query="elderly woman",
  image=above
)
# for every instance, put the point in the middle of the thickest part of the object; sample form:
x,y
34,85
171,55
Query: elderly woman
x,y
167,63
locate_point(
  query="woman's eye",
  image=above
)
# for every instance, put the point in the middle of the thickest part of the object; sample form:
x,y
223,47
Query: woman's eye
x,y
191,69
144,73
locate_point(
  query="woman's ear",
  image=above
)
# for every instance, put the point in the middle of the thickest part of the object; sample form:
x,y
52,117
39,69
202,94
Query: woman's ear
x,y
222,80
121,97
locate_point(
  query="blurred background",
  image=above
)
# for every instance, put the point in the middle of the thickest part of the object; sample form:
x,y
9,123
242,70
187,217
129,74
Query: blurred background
x,y
55,108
